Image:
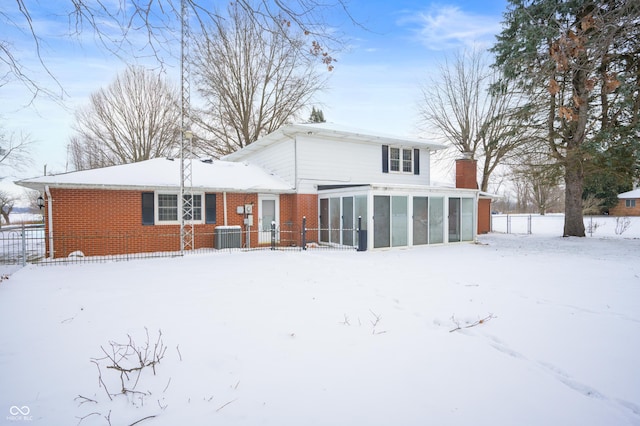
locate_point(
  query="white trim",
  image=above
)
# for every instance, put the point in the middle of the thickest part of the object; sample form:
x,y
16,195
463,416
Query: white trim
x,y
263,234
224,204
401,150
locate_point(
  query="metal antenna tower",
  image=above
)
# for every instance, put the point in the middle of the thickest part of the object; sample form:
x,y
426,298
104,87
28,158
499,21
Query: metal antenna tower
x,y
186,136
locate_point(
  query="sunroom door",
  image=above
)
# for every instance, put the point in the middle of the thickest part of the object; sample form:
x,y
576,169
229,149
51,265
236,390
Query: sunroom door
x,y
454,220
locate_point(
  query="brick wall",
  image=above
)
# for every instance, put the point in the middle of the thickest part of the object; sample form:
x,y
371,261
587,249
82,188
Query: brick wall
x,y
622,210
103,222
293,207
235,200
484,215
466,171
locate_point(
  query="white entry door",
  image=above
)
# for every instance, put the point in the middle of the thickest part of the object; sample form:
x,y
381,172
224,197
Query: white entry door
x,y
269,212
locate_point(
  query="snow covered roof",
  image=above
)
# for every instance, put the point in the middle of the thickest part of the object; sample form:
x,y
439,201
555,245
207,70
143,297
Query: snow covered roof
x,y
162,173
334,131
630,194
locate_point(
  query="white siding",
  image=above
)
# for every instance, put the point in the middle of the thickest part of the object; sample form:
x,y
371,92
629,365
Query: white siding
x,y
332,161
339,162
278,158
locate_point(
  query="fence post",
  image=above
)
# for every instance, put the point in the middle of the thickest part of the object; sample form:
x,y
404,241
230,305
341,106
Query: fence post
x,y
24,246
304,232
529,225
273,235
508,224
362,236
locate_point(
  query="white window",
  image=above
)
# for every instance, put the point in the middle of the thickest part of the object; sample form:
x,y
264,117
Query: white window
x,y
401,160
167,207
196,207
630,203
167,212
407,161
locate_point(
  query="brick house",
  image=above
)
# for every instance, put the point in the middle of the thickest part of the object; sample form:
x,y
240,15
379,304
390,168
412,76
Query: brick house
x,y
332,176
628,204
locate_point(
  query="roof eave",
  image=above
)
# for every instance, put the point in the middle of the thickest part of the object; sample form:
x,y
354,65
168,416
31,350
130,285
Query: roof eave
x,y
39,186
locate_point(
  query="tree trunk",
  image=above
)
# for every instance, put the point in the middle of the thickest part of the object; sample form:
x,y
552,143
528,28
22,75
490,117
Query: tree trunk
x,y
5,215
573,179
486,174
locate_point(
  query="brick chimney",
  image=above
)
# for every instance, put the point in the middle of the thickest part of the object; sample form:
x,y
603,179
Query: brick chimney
x,y
466,172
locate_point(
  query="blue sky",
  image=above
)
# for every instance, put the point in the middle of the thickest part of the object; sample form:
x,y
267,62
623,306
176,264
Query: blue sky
x,y
375,85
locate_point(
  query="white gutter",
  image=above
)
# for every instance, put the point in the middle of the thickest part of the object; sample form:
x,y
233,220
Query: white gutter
x,y
224,201
50,219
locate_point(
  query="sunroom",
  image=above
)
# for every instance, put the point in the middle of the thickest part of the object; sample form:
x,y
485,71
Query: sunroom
x,y
396,216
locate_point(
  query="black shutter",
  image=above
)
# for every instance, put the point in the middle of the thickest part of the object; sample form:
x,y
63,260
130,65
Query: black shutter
x,y
416,161
210,208
385,158
147,208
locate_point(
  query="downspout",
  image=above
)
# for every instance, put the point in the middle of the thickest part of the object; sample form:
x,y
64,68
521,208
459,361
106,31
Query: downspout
x,y
477,214
224,202
50,219
295,164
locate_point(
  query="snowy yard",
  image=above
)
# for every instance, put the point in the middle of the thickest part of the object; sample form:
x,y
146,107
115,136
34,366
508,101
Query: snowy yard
x,y
333,338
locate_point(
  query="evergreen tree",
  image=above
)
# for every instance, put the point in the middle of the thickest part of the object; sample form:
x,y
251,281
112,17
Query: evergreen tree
x,y
612,171
317,116
581,59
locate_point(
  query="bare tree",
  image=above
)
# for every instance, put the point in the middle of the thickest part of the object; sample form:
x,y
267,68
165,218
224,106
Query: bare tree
x,y
540,179
252,81
135,118
15,150
522,193
146,28
7,202
32,197
475,112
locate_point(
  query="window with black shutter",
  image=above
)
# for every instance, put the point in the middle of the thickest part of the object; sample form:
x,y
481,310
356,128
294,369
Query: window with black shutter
x,y
147,208
210,208
416,161
385,158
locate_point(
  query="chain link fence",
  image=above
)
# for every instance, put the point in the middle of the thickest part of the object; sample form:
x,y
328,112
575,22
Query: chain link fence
x,y
553,224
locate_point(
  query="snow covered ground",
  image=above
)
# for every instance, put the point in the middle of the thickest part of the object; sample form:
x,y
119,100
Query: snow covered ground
x,y
333,338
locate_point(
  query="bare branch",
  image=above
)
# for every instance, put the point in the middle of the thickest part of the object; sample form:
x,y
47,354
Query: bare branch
x,y
473,324
141,420
100,381
84,400
224,405
15,150
86,416
142,29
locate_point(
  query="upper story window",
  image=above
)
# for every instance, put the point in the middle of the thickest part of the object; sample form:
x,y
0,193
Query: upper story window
x,y
407,162
400,160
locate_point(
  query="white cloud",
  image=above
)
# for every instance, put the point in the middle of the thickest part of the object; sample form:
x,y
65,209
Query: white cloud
x,y
446,27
